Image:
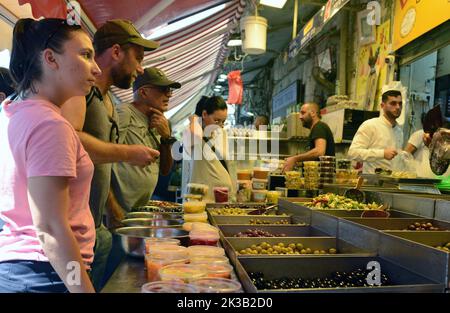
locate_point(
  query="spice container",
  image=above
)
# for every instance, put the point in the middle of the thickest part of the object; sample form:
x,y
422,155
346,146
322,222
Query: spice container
x,y
244,175
191,197
203,237
259,195
217,285
155,262
194,206
205,251
221,194
197,189
182,272
168,287
259,184
196,217
217,270
260,173
149,242
209,260
272,196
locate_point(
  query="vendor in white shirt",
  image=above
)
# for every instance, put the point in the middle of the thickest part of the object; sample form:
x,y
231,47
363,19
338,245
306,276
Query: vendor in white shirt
x,y
379,139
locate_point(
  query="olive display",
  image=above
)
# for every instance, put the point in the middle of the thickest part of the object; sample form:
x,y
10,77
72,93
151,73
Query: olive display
x,y
257,233
156,209
356,278
420,227
284,248
444,247
238,211
262,222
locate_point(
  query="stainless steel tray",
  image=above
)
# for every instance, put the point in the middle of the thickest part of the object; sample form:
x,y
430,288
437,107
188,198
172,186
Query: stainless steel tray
x,y
442,210
357,213
418,180
415,250
404,279
245,219
288,230
394,224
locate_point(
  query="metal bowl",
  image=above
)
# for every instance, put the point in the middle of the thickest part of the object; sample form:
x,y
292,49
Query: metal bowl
x,y
133,238
155,215
152,222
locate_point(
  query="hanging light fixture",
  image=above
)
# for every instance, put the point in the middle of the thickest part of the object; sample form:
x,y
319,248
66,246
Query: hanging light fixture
x,y
279,4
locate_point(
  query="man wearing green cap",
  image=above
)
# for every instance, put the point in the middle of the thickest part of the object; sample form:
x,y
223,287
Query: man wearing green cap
x,y
143,122
119,51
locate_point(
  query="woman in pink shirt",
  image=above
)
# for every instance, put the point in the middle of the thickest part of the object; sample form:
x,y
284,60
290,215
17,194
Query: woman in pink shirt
x,y
47,241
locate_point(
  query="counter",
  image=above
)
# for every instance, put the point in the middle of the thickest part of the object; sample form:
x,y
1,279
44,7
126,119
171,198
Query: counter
x,y
127,278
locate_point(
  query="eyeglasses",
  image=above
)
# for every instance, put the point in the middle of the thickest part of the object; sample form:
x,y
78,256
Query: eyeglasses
x,y
162,89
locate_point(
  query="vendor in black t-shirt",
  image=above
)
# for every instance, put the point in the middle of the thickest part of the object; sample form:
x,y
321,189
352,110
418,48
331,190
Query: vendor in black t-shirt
x,y
321,140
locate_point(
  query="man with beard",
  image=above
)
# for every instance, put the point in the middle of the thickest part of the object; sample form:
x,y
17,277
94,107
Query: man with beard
x,y
379,139
321,141
119,51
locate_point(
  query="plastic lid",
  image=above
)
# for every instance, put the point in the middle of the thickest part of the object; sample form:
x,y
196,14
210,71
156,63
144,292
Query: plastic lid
x,y
185,272
204,234
202,250
260,180
203,226
168,287
156,240
167,251
260,191
212,268
195,217
217,285
210,260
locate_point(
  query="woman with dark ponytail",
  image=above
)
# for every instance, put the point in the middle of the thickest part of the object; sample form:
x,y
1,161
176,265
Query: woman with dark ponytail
x,y
47,241
207,147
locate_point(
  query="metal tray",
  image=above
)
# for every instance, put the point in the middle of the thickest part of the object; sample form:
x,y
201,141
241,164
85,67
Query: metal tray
x,y
442,210
415,250
288,230
245,219
419,180
394,224
357,213
237,205
404,279
421,206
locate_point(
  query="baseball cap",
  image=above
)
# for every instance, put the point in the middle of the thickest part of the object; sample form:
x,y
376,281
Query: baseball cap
x,y
154,76
121,32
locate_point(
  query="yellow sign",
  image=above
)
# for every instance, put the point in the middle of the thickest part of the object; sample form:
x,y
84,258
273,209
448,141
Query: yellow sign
x,y
413,18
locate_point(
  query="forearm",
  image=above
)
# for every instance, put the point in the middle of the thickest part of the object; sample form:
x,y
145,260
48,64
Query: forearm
x,y
63,253
103,152
310,155
166,161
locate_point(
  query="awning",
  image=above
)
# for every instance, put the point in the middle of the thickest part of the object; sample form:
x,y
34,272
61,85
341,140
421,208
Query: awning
x,y
192,55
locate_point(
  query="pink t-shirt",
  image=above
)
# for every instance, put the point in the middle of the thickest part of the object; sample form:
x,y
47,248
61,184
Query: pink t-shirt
x,y
35,140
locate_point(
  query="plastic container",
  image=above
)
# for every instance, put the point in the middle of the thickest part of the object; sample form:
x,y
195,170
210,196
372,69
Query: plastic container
x,y
244,190
310,164
197,189
260,173
194,206
327,164
259,184
217,285
259,195
327,169
327,158
196,217
203,237
168,287
217,270
221,194
283,190
273,196
159,241
343,164
191,197
244,175
182,272
205,251
204,226
154,262
210,260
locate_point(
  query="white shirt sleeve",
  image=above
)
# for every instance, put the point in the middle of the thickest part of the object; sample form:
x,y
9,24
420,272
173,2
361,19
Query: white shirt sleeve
x,y
359,149
416,139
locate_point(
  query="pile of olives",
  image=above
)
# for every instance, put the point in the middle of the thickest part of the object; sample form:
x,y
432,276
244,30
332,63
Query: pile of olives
x,y
257,233
262,222
356,278
229,211
445,247
424,226
282,248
